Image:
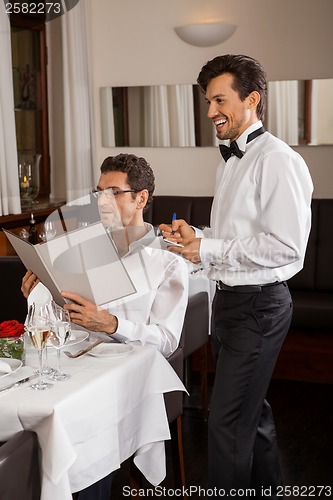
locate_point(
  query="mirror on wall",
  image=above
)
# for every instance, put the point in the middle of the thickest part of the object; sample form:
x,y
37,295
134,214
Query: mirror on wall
x,y
176,115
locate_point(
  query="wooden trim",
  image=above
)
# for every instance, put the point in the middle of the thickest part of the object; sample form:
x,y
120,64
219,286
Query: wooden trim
x,y
307,110
41,212
45,185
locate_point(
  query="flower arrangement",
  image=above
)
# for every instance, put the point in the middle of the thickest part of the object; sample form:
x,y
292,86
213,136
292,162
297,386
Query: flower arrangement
x,y
11,339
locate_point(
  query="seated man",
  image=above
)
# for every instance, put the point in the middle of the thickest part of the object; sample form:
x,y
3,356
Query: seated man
x,y
153,315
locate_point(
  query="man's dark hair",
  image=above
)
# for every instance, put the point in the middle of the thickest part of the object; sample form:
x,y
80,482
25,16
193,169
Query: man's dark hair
x,y
139,173
248,75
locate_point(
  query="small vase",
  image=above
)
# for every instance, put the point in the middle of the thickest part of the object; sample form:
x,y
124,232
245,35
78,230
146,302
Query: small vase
x,y
29,178
12,347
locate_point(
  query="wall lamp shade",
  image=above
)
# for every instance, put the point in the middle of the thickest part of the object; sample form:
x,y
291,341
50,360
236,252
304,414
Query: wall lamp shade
x,y
205,34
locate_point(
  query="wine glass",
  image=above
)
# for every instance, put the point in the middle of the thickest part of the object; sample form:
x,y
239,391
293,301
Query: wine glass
x,y
60,333
49,231
38,328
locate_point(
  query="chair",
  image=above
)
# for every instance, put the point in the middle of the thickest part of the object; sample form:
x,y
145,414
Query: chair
x,y
174,408
196,336
13,304
19,467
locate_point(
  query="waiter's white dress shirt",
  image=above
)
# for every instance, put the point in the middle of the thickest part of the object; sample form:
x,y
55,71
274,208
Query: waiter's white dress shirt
x,y
261,214
154,315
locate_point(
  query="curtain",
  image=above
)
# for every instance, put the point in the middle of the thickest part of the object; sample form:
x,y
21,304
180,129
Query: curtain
x,y
168,116
106,106
181,112
282,110
9,185
314,112
72,144
156,116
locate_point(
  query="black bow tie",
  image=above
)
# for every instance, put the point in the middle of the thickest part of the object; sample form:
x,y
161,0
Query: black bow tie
x,y
233,149
228,151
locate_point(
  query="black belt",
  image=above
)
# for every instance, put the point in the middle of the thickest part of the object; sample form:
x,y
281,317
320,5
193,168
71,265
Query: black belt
x,y
246,288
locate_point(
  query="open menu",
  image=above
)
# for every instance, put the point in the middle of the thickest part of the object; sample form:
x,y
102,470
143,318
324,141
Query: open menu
x,y
84,261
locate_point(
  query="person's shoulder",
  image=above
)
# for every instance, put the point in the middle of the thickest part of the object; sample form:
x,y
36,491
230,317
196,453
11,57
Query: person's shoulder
x,y
271,144
160,247
271,140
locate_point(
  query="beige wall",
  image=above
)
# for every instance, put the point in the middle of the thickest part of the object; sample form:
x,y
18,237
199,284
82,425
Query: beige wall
x,y
133,43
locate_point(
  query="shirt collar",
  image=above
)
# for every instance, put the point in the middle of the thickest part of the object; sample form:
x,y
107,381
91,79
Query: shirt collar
x,y
145,240
241,141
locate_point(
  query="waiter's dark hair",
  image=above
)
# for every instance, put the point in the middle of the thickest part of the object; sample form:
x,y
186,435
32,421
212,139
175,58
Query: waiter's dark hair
x,y
248,75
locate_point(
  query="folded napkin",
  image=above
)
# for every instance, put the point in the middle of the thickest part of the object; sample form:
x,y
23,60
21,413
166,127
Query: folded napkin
x,y
5,367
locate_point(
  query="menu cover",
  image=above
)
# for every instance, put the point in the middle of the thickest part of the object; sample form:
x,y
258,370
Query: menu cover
x,y
84,261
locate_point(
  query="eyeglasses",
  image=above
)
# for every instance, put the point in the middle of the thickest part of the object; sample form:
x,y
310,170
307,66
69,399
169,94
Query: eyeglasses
x,y
110,193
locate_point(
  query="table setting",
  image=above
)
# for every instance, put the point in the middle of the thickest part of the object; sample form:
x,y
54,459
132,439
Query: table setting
x,y
110,406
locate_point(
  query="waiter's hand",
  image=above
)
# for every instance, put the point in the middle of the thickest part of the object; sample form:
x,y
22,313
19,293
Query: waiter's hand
x,y
183,233
87,314
179,231
29,281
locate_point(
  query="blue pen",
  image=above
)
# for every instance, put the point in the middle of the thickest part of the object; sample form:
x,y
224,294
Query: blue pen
x,y
174,217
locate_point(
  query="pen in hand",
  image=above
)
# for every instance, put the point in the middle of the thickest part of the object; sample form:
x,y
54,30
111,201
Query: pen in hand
x,y
174,217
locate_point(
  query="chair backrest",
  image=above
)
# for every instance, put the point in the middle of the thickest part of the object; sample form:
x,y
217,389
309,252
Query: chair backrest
x,y
12,303
195,334
196,324
174,400
19,467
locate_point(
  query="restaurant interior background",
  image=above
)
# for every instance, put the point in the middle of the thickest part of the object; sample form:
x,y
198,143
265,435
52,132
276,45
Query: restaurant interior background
x,y
135,44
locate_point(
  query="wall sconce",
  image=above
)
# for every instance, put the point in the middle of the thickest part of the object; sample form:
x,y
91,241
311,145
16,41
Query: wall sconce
x,y
205,34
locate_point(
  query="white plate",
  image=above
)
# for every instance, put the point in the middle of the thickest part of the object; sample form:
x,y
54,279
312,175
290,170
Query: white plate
x,y
106,350
15,364
77,336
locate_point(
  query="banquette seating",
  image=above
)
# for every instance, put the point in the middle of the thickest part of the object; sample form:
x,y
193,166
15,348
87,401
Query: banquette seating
x,y
307,353
12,303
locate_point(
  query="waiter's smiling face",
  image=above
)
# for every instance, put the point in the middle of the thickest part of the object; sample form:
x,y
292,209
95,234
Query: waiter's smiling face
x,y
231,115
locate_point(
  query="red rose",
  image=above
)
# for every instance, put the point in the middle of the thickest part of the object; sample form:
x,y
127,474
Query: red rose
x,y
11,328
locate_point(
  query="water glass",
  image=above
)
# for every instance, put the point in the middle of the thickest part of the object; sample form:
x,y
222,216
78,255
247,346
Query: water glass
x,y
38,328
60,334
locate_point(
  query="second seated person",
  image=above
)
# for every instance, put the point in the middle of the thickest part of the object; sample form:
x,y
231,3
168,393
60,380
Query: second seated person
x,y
153,315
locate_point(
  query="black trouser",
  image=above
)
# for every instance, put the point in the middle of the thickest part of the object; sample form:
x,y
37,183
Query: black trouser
x,y
248,330
101,490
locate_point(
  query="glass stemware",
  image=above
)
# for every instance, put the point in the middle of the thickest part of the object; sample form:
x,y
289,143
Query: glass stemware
x,y
49,231
38,328
46,368
60,334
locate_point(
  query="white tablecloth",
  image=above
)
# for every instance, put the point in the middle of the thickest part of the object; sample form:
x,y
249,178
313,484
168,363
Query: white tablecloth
x,y
110,409
198,282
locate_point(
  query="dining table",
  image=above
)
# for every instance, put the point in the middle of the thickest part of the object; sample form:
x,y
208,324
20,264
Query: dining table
x,y
109,409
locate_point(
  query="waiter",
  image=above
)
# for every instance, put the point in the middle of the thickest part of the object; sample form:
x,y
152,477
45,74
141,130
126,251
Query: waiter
x,y
260,223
